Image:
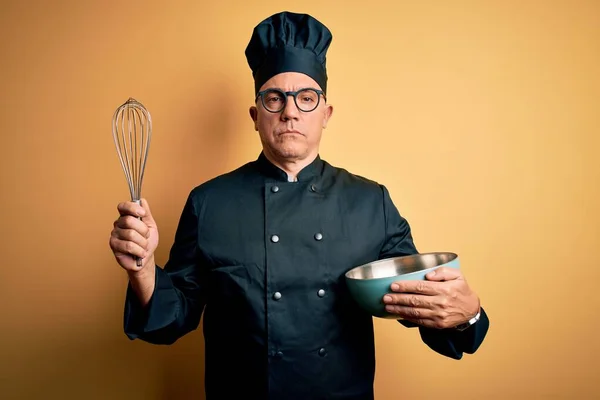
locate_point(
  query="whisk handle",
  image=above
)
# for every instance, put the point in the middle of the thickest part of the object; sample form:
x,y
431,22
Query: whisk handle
x,y
138,260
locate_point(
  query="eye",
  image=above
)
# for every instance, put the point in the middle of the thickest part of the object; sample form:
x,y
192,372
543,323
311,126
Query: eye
x,y
273,98
307,97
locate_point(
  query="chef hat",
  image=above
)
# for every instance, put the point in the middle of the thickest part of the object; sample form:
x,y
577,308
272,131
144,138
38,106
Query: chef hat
x,y
288,42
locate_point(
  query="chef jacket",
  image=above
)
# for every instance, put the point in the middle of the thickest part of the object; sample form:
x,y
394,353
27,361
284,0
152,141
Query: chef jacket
x,y
264,259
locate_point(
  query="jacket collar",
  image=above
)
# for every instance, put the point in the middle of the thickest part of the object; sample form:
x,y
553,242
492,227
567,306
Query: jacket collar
x,y
269,169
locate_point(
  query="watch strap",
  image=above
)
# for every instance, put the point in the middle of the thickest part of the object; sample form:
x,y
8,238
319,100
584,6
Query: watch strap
x,y
469,323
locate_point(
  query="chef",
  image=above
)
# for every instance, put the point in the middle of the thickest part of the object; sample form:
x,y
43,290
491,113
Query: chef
x,y
261,251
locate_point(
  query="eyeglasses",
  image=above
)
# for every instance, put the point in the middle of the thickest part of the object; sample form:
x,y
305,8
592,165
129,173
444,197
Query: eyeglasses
x,y
275,100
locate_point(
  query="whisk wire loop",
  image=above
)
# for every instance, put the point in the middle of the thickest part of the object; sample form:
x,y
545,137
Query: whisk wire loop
x,y
132,132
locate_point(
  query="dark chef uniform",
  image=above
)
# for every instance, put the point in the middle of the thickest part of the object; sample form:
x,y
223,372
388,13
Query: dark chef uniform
x,y
264,259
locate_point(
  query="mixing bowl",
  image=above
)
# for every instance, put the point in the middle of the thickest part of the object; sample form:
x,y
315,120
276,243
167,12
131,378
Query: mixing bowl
x,y
368,283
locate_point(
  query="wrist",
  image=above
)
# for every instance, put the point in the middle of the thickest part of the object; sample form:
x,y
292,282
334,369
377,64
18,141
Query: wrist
x,y
476,308
473,318
143,281
143,278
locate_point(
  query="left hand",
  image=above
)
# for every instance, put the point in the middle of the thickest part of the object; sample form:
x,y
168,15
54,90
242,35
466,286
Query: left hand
x,y
443,300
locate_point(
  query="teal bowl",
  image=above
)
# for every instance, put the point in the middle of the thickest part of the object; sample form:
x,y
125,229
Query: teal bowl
x,y
368,283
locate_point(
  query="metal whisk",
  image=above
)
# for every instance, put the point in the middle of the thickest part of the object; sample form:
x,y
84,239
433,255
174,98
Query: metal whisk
x,y
132,131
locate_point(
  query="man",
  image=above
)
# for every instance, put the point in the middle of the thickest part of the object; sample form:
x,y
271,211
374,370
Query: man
x,y
262,251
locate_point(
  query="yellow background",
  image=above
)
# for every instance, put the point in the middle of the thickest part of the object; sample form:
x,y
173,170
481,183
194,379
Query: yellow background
x,y
482,118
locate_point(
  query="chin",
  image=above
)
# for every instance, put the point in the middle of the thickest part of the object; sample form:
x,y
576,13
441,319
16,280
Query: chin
x,y
290,152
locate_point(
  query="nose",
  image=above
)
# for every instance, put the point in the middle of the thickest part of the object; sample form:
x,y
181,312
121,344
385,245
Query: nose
x,y
290,111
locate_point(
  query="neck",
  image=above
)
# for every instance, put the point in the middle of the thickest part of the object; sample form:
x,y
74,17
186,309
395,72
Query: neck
x,y
290,166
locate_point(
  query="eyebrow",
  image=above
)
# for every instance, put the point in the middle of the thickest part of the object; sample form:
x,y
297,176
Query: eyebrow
x,y
293,90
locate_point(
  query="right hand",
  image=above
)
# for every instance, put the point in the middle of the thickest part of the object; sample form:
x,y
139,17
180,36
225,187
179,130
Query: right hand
x,y
132,237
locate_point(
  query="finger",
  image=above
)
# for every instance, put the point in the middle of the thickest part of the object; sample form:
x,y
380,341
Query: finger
x,y
147,218
409,300
410,313
129,222
444,274
131,235
420,287
127,247
127,262
131,208
427,323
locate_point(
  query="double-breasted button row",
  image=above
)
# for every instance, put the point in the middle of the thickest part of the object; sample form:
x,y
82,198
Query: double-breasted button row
x,y
318,237
275,188
278,295
279,354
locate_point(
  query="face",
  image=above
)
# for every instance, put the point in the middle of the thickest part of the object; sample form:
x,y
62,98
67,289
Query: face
x,y
291,134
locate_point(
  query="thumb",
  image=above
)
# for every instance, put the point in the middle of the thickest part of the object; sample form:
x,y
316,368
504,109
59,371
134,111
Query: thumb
x,y
147,215
444,274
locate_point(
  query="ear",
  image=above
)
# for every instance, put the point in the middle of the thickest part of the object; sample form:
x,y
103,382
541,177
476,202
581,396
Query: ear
x,y
327,114
254,115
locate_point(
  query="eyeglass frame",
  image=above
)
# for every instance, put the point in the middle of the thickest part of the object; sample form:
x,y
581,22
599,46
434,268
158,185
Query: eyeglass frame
x,y
293,94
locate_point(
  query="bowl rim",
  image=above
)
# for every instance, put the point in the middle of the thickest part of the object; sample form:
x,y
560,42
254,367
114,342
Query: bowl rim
x,y
383,260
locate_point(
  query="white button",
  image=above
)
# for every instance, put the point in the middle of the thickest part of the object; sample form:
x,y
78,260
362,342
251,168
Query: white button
x,y
275,189
274,238
277,295
318,236
321,293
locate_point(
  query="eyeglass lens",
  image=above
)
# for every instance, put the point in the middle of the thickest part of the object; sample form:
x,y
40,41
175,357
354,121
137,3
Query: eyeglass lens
x,y
306,100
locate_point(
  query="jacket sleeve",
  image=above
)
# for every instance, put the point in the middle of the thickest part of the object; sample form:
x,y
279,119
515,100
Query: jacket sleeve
x,y
453,343
448,342
178,299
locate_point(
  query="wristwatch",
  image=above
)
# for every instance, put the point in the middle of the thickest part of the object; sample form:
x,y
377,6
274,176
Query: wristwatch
x,y
469,323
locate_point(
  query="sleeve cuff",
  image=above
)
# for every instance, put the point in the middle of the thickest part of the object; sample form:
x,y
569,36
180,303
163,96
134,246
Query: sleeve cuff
x,y
453,343
161,310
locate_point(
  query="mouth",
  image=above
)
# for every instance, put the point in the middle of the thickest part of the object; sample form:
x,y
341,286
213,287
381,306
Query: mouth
x,y
290,132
